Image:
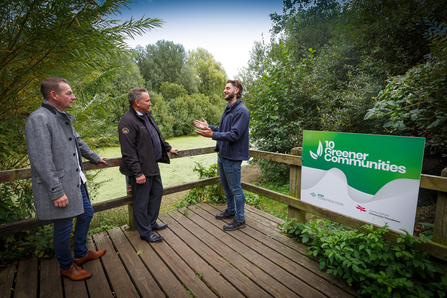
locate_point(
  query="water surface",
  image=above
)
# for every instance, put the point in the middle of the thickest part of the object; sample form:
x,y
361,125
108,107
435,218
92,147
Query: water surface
x,y
179,171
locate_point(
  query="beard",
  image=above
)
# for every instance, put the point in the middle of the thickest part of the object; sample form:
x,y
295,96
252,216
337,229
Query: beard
x,y
230,96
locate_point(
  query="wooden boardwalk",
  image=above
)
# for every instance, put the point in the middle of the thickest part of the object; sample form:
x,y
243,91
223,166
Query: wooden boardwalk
x,y
197,259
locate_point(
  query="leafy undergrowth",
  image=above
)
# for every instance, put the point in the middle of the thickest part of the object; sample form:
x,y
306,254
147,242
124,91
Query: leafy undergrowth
x,y
370,263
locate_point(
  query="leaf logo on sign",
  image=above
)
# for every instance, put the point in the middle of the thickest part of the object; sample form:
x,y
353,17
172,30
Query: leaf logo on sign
x,y
319,151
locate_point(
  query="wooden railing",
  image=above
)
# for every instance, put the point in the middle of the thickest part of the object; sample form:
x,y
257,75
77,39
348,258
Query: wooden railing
x,y
297,208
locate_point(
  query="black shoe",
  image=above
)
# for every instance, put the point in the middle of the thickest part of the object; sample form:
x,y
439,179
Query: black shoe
x,y
226,214
152,238
234,225
159,227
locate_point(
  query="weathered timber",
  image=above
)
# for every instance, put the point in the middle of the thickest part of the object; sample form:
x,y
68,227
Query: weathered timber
x,y
295,187
117,275
27,282
440,226
293,276
195,257
97,285
7,280
212,237
435,249
50,279
33,223
433,182
154,263
278,157
140,276
25,173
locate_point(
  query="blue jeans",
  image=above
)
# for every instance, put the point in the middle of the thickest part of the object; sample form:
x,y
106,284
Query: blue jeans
x,y
62,232
230,179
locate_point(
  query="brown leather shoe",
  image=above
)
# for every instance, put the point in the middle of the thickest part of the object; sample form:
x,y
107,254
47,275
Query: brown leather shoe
x,y
91,255
76,273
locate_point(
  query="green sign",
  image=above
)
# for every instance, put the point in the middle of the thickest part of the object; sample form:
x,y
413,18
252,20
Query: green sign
x,y
366,169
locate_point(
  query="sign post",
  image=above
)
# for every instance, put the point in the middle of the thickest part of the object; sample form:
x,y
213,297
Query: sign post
x,y
374,178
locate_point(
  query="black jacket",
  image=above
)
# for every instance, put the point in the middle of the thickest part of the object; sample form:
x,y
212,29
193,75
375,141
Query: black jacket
x,y
137,149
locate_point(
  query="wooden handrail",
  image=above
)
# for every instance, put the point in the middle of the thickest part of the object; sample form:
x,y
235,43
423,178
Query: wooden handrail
x,y
437,183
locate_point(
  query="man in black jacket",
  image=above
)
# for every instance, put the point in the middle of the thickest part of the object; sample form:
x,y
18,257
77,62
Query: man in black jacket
x,y
142,147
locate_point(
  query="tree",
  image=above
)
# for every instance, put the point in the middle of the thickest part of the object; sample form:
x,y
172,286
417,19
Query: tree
x,y
210,75
165,61
76,40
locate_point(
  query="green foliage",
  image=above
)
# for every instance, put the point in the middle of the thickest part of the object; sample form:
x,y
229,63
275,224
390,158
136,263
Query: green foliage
x,y
210,75
416,103
391,32
109,219
270,206
16,201
201,194
163,62
378,267
37,242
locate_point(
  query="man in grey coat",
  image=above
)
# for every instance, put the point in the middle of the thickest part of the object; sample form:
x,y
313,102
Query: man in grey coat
x,y
55,150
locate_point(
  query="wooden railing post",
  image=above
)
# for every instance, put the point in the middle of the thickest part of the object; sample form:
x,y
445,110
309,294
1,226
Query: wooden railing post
x,y
295,187
130,205
440,227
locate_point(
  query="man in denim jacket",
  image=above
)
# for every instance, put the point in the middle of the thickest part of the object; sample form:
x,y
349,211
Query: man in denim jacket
x,y
232,144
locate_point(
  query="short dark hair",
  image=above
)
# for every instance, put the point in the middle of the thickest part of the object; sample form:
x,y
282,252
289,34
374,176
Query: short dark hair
x,y
51,84
238,85
135,94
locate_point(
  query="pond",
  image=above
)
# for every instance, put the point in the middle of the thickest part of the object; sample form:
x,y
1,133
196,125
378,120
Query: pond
x,y
179,171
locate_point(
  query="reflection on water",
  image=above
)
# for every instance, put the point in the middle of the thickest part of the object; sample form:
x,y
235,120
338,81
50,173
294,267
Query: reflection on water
x,y
179,171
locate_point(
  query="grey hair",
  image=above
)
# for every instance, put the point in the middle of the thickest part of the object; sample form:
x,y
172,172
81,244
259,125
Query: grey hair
x,y
135,94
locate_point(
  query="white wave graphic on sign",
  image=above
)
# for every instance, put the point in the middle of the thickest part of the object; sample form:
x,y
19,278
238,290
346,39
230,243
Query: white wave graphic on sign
x,y
400,188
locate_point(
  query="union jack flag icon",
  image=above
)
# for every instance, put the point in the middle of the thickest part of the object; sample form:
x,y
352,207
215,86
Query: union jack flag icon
x,y
361,208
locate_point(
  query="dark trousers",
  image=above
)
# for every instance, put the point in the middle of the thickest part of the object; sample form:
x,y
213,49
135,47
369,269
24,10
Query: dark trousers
x,y
146,203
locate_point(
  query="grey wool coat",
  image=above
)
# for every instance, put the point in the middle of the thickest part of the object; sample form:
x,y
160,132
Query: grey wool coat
x,y
52,144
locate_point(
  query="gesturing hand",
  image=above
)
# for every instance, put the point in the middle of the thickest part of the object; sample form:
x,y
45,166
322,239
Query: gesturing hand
x,y
201,124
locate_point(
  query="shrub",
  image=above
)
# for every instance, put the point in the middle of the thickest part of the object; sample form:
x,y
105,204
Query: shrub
x,y
201,194
378,267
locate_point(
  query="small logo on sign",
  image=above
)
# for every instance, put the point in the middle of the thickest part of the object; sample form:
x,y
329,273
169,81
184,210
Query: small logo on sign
x,y
313,194
125,130
361,208
319,151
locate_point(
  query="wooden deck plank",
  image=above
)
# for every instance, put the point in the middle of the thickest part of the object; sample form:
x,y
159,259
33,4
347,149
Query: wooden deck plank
x,y
244,247
231,273
7,280
264,214
211,276
26,285
97,285
299,280
291,254
50,279
141,277
167,280
119,279
211,239
75,289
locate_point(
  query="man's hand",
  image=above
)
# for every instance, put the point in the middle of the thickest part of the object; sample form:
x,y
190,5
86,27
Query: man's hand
x,y
174,151
141,179
103,160
61,202
201,124
207,133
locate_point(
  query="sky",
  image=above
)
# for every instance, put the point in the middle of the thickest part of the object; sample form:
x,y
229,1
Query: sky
x,y
226,29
